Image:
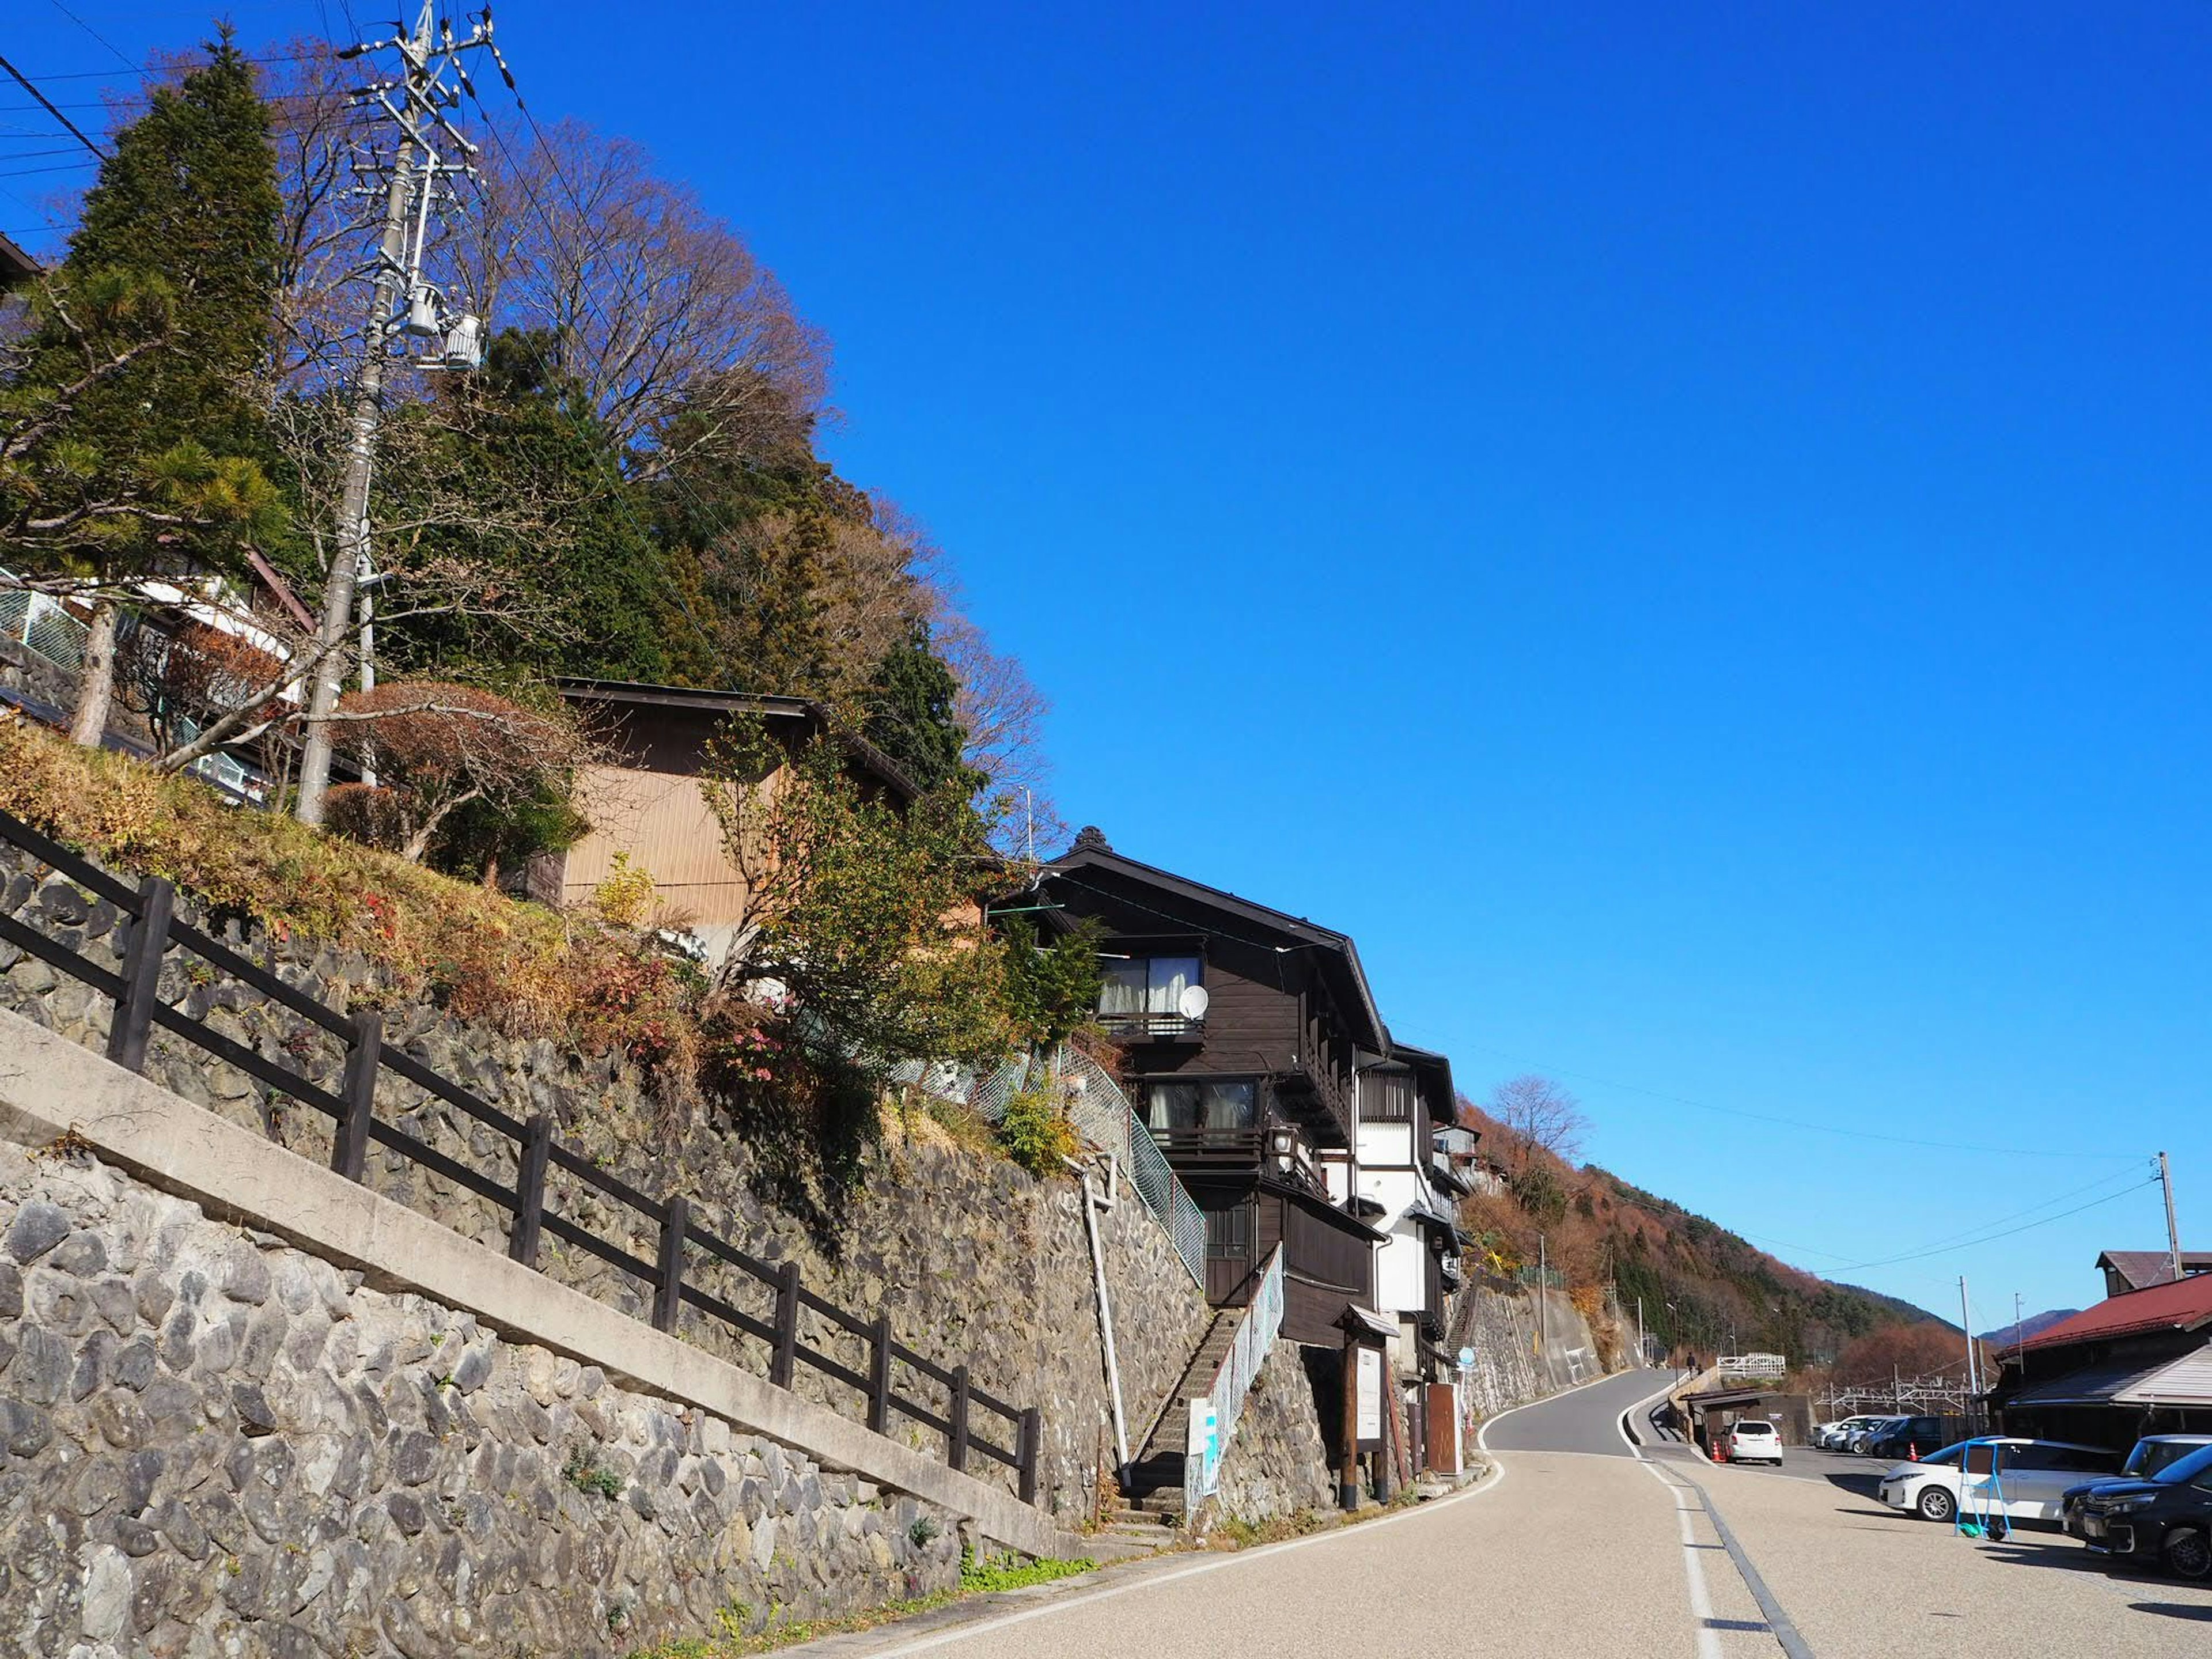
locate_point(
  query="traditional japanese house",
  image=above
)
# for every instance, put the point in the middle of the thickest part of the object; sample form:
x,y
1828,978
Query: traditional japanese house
x,y
1408,1188
1242,1027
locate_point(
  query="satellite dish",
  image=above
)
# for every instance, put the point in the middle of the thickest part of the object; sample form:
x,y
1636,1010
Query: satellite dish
x,y
1192,1003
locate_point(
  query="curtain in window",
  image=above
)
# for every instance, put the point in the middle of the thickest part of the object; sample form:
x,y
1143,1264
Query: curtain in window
x,y
1121,987
1175,1106
1171,976
1230,1105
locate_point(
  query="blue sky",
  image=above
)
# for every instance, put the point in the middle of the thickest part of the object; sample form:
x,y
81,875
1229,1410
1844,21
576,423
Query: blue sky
x,y
1683,533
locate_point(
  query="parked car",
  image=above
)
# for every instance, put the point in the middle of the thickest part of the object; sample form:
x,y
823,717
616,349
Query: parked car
x,y
2152,1453
2166,1519
1903,1437
2030,1482
1856,1439
1835,1437
1754,1440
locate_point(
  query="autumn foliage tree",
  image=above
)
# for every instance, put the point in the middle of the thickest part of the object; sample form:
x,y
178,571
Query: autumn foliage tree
x,y
444,746
1925,1349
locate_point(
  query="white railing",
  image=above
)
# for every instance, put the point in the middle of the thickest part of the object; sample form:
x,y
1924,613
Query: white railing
x,y
42,623
1102,1115
1214,1416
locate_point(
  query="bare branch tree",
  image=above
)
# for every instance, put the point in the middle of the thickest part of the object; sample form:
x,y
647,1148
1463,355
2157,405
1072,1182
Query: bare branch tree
x,y
677,336
1537,1113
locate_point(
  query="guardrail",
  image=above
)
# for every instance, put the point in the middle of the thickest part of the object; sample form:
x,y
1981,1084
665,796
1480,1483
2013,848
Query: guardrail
x,y
153,930
1213,1419
1102,1115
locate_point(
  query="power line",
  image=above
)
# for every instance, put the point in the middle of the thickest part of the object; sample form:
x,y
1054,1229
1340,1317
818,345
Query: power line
x,y
96,34
1991,1238
2075,1156
1934,1244
23,81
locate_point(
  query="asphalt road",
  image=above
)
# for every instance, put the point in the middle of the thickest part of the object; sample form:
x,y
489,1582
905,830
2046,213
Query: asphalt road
x,y
1579,1546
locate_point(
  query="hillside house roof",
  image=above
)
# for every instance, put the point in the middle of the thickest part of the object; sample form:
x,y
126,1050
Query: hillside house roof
x,y
2178,1304
804,715
1091,853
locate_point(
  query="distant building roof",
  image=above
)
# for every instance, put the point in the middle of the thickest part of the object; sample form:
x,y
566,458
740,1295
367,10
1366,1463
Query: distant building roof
x,y
2182,1304
2140,1269
16,266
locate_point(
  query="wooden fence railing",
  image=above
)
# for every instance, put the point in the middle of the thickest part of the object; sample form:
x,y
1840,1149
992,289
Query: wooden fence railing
x,y
154,928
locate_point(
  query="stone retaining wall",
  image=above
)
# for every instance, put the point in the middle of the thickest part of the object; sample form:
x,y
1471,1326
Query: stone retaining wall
x,y
1278,1464
215,1443
972,1260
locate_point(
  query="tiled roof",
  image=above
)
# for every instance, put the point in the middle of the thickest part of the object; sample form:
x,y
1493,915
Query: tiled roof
x,y
2180,1304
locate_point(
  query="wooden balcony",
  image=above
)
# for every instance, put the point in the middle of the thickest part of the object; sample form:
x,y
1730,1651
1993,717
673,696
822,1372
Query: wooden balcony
x,y
1153,1027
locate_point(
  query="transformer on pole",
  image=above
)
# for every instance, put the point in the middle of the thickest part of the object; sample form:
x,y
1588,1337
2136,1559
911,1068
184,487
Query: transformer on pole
x,y
429,153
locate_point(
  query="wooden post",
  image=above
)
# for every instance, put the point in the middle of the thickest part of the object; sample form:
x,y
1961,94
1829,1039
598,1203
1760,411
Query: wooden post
x,y
1347,1476
132,1022
879,1375
668,1290
785,1361
1032,1432
956,1445
530,1189
349,1144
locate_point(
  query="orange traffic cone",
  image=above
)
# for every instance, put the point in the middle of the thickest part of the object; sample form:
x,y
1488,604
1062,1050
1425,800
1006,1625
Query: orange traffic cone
x,y
1912,1452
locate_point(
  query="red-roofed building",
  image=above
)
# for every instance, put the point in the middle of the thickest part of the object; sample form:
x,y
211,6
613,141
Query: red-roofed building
x,y
2136,1363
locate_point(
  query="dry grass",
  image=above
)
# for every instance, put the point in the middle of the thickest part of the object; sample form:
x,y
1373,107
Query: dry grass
x,y
526,970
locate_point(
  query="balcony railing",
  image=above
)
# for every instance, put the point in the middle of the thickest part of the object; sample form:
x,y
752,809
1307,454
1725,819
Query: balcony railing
x,y
1154,1027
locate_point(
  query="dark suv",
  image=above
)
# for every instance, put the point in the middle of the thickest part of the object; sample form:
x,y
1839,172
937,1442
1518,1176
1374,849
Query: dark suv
x,y
2165,1519
1904,1436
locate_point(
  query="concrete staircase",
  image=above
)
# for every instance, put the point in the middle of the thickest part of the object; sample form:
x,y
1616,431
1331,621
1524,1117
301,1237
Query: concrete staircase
x,y
1153,1492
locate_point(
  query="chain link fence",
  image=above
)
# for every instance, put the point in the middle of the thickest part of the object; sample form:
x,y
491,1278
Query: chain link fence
x,y
1102,1115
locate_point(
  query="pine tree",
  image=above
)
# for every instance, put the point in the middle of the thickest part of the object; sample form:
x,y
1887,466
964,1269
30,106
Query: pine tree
x,y
133,443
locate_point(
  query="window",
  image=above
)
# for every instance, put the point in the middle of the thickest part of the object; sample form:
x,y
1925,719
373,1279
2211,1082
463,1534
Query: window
x,y
1229,1232
1146,985
1233,1104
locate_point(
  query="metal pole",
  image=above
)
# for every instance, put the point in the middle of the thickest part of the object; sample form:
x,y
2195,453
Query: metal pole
x,y
352,552
1966,1320
2173,1232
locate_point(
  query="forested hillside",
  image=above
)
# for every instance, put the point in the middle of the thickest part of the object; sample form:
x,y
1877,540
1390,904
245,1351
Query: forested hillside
x,y
1702,1287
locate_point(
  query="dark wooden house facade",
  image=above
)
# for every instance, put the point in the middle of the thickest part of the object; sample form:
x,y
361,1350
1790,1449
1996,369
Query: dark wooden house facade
x,y
1241,1027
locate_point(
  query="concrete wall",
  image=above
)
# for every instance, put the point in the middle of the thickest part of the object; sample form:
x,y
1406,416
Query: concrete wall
x,y
1511,1367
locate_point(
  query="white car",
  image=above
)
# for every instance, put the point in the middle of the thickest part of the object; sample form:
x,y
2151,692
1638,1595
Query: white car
x,y
1834,1437
2030,1483
1754,1440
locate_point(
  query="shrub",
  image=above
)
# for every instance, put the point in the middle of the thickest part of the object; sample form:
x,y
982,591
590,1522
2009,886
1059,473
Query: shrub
x,y
1035,1134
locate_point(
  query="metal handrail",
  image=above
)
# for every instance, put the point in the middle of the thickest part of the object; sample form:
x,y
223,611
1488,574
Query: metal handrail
x,y
1214,1417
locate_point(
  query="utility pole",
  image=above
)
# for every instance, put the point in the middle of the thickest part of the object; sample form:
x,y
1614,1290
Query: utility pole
x,y
2173,1232
416,102
2015,1322
1543,1285
1966,1319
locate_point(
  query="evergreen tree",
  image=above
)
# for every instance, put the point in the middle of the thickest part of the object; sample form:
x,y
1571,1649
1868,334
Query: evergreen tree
x,y
132,440
909,713
587,566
